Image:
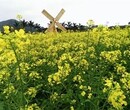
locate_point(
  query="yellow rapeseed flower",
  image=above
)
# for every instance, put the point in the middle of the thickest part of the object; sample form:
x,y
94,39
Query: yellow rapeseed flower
x,y
108,83
2,44
89,95
31,91
34,75
117,99
54,96
89,88
0,34
73,101
81,87
10,89
33,107
6,29
56,78
83,93
19,17
20,33
71,108
30,108
90,22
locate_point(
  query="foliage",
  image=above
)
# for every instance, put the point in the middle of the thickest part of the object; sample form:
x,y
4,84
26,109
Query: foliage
x,y
31,27
75,70
28,26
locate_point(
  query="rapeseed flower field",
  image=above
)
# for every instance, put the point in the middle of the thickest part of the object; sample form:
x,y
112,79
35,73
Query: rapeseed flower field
x,y
65,71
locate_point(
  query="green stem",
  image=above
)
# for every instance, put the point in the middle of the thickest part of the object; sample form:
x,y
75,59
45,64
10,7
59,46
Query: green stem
x,y
20,73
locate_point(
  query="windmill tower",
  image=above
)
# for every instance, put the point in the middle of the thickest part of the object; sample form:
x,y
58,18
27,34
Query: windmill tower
x,y
54,21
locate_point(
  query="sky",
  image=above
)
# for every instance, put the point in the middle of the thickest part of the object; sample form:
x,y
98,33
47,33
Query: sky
x,y
110,12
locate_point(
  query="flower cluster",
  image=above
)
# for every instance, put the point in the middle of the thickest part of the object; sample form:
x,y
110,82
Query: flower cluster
x,y
62,71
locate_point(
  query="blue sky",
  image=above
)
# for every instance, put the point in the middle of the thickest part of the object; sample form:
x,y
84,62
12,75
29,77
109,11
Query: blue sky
x,y
78,11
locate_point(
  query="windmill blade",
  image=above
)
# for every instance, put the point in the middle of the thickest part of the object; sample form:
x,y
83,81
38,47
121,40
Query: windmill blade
x,y
59,14
47,15
60,26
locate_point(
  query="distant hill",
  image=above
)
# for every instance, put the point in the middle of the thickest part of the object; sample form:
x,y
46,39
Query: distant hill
x,y
29,26
10,22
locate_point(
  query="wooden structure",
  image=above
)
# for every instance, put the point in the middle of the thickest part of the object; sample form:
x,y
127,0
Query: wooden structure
x,y
54,21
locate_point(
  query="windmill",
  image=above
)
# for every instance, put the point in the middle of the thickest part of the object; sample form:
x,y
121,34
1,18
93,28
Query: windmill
x,y
54,21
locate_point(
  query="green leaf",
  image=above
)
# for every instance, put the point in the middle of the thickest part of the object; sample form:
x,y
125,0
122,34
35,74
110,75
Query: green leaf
x,y
1,105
